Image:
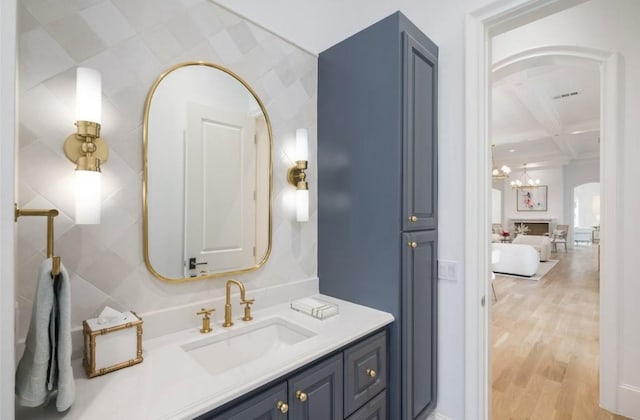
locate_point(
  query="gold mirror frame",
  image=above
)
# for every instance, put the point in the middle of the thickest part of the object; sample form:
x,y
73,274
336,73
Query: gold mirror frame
x,y
145,207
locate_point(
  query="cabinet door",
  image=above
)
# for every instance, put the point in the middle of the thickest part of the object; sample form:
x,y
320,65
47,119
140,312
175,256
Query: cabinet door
x,y
268,405
419,135
419,293
316,393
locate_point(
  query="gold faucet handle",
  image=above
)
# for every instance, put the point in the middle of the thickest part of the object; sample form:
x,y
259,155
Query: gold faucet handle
x,y
206,312
247,308
206,320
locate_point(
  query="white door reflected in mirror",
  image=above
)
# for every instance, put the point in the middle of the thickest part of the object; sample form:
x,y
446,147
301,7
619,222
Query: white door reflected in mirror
x,y
220,143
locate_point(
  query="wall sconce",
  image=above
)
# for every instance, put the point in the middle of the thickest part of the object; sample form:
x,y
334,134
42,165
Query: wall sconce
x,y
297,176
85,148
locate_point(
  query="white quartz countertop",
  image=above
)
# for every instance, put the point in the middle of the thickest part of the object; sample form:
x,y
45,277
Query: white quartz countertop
x,y
170,384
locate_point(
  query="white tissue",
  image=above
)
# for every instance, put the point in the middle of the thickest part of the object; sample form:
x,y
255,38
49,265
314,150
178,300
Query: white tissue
x,y
110,316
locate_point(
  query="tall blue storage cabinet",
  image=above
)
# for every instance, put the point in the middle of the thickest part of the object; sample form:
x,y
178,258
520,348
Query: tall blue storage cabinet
x,y
377,194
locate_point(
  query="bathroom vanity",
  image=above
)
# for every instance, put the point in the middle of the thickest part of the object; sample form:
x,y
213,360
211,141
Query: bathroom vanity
x,y
350,383
334,368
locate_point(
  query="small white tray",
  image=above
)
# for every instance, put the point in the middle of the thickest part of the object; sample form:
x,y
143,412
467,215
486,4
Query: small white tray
x,y
314,307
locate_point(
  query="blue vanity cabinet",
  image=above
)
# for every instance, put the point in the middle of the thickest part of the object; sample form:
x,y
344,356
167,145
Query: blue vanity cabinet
x,y
354,377
377,193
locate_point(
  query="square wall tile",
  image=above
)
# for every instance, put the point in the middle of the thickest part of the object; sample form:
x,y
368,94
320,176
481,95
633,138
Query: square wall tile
x,y
40,57
26,21
108,23
141,14
162,44
45,11
138,59
76,37
242,36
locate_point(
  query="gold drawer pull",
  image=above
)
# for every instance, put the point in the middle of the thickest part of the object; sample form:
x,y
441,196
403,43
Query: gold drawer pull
x,y
413,244
283,407
371,373
302,396
413,219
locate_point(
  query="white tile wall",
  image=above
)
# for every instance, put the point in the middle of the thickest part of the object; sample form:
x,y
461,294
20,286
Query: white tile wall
x,y
131,43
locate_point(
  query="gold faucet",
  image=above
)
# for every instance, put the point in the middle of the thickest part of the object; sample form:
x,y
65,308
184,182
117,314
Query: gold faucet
x,y
243,300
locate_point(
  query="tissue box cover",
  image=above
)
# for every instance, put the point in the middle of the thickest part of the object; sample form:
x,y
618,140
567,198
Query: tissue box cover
x,y
112,346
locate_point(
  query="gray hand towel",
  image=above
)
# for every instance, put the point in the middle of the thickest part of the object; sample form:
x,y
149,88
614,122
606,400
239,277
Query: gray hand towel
x,y
45,366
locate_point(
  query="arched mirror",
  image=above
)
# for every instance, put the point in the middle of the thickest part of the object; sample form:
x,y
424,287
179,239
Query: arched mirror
x,y
207,175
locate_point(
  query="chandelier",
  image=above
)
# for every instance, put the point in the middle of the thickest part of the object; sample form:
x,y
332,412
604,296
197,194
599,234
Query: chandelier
x,y
498,173
525,180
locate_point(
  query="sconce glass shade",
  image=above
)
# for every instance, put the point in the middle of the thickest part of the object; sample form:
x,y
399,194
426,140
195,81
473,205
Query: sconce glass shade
x,y
88,95
302,205
302,144
88,197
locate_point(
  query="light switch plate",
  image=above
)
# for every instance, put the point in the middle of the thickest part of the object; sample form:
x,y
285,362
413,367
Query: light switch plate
x,y
448,270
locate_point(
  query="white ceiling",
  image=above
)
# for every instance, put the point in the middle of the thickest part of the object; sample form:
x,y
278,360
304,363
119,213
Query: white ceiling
x,y
547,113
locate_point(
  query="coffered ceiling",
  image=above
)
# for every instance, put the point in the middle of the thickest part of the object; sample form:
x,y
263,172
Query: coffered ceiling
x,y
546,114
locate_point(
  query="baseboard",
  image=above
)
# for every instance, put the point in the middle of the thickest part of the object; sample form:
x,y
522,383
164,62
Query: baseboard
x,y
629,401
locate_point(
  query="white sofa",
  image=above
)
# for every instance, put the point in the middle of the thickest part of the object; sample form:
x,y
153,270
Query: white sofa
x,y
519,259
542,244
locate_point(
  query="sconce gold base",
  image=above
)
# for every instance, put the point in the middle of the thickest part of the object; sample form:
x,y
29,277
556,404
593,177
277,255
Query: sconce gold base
x,y
73,148
296,175
86,142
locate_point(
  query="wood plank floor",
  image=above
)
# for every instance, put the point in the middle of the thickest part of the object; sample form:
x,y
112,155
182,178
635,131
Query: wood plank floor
x,y
545,343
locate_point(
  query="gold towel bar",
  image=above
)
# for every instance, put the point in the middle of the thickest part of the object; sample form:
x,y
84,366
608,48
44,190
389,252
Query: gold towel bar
x,y
50,214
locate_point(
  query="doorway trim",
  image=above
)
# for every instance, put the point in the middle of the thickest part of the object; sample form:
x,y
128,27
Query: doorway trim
x,y
480,25
7,177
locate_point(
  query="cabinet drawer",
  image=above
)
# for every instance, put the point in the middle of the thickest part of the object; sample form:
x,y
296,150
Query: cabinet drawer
x,y
365,367
376,409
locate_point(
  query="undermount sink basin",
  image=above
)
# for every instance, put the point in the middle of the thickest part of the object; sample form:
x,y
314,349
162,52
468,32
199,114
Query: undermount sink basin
x,y
243,344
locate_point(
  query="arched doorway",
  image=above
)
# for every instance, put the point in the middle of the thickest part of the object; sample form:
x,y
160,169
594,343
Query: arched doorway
x,y
481,25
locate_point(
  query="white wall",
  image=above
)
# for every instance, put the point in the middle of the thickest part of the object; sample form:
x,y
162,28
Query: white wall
x,y
496,205
577,173
586,198
132,44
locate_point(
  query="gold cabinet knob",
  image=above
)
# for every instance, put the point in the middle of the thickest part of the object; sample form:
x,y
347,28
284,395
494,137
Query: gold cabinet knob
x,y
413,244
413,219
371,373
302,396
282,406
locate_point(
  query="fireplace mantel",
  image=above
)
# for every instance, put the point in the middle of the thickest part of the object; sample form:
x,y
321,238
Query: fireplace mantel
x,y
537,226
